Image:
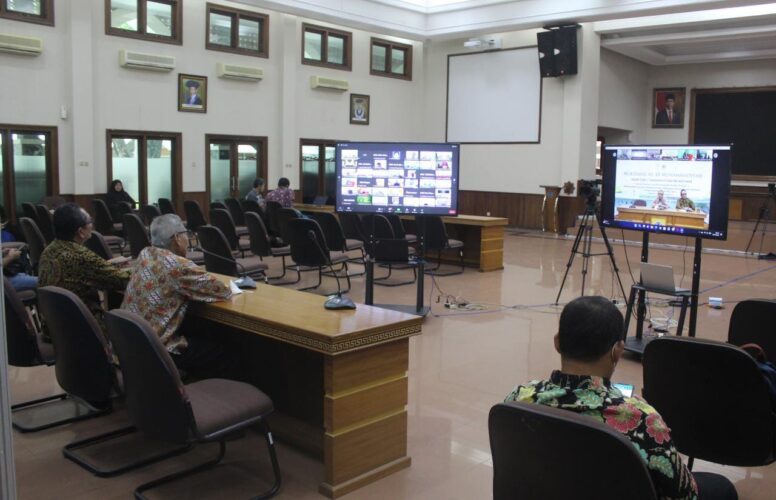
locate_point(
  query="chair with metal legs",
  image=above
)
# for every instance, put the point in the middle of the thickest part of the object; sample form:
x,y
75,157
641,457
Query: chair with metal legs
x,y
163,408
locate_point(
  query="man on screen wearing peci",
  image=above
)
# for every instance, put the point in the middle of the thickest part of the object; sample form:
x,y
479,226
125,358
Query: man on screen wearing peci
x,y
660,203
684,203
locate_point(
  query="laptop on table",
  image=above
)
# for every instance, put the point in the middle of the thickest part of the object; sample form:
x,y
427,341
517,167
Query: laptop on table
x,y
660,278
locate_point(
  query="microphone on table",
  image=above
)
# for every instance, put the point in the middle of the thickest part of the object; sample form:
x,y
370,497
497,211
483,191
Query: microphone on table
x,y
335,301
245,281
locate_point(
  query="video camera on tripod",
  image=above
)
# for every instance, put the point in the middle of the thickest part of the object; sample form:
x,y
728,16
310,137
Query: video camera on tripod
x,y
591,191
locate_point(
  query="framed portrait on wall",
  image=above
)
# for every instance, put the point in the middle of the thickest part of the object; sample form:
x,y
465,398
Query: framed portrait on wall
x,y
192,93
668,108
359,109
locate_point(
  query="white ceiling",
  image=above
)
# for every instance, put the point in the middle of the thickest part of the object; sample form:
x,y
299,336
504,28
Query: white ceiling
x,y
657,32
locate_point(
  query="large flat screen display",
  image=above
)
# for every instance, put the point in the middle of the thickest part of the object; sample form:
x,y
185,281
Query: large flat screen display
x,y
680,190
400,178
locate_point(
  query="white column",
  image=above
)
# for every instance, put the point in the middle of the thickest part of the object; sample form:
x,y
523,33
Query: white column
x,y
289,155
85,142
580,110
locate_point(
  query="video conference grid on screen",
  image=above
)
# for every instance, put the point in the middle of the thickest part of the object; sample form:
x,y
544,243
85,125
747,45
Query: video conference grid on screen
x,y
680,190
401,178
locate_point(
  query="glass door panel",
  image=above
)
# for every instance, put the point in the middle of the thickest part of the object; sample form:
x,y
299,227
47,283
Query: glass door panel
x,y
247,168
310,159
126,164
29,164
330,174
159,163
220,171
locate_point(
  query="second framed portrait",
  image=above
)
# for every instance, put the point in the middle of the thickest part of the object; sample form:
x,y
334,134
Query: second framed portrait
x,y
668,109
359,109
192,93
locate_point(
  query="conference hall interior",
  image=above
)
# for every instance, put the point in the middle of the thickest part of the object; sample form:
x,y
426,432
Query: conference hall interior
x,y
485,128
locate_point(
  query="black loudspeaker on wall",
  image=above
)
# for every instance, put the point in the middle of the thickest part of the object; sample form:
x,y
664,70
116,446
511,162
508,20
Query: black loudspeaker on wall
x,y
558,51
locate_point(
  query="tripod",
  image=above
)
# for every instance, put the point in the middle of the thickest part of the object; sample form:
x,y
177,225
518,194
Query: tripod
x,y
763,217
586,231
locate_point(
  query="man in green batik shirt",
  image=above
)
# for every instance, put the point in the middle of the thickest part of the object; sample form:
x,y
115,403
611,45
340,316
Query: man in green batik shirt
x,y
590,344
684,203
67,263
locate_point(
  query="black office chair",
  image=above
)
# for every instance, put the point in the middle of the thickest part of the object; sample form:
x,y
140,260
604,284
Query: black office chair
x,y
26,349
748,325
335,237
236,211
308,248
99,245
219,257
222,219
29,211
137,234
195,217
83,368
166,206
262,247
35,240
45,222
151,212
218,204
104,224
272,209
165,409
398,229
547,453
252,206
684,376
436,238
387,249
284,215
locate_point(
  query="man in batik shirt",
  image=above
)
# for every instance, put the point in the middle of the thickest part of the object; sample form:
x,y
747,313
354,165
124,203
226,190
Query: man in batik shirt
x,y
684,203
162,284
68,264
590,344
283,194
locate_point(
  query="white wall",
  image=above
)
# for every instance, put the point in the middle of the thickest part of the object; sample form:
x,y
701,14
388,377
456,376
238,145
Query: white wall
x,y
622,87
522,168
101,95
702,76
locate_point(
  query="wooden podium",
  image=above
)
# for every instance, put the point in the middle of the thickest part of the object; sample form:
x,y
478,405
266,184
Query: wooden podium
x,y
550,208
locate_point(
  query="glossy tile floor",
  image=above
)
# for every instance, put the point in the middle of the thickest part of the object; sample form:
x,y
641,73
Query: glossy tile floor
x,y
461,365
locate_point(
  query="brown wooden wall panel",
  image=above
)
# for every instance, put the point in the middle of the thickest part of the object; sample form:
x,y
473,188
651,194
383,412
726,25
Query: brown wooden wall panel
x,y
752,199
522,210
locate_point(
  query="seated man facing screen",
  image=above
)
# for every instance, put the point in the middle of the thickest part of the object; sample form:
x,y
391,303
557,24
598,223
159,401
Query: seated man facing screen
x,y
67,263
590,344
162,284
283,194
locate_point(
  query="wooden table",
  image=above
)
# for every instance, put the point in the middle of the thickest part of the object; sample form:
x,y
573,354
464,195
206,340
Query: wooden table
x,y
666,217
338,378
483,237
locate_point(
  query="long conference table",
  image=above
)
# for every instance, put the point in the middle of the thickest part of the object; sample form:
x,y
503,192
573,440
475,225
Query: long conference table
x,y
483,237
668,217
338,379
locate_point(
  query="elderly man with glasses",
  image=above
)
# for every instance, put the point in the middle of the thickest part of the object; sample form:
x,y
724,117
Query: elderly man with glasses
x,y
67,263
162,284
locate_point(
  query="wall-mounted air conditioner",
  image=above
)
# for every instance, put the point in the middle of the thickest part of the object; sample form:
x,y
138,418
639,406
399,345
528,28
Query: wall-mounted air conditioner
x,y
151,62
238,72
25,45
322,82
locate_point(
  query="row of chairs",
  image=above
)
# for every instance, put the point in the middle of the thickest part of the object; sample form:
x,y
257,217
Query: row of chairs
x,y
712,395
160,406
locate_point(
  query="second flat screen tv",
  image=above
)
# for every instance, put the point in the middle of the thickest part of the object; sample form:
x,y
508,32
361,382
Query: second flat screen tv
x,y
397,178
680,190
